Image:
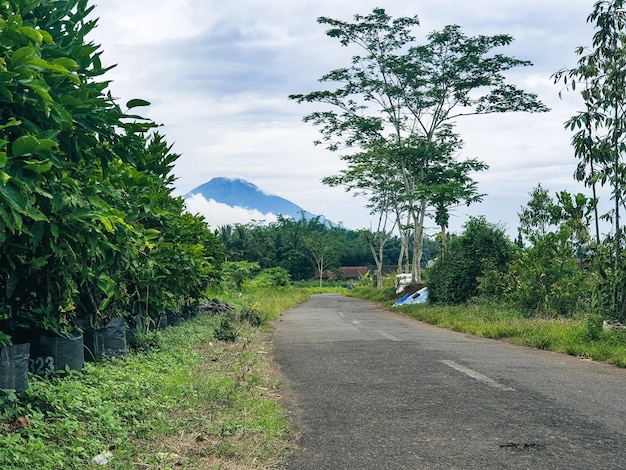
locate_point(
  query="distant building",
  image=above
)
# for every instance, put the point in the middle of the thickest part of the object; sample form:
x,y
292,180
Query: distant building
x,y
357,272
353,272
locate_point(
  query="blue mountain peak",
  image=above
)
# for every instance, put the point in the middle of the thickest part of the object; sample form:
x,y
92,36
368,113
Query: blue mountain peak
x,y
237,192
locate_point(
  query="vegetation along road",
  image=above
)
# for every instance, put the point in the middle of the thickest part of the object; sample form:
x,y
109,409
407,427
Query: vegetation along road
x,y
369,388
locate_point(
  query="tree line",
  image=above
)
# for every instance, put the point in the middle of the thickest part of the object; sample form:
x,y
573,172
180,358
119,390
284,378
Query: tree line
x,y
564,265
305,247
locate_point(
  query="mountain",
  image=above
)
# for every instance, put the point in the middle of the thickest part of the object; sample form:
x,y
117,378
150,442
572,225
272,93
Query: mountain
x,y
236,192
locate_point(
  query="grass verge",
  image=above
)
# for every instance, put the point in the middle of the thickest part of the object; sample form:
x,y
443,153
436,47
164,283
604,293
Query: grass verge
x,y
187,400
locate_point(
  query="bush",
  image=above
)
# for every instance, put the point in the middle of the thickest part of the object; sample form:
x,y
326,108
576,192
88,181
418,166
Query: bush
x,y
546,278
272,277
225,330
483,247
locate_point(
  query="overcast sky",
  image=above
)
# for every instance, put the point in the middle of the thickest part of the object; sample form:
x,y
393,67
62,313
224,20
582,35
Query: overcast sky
x,y
218,74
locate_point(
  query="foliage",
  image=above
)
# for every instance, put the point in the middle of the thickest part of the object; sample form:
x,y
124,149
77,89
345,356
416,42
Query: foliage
x,y
554,275
609,298
225,330
59,133
321,248
236,273
283,244
88,225
600,130
537,217
600,73
272,277
546,278
456,275
397,104
376,242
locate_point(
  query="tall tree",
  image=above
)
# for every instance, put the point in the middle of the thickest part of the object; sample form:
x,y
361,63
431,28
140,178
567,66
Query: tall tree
x,y
600,143
322,251
601,71
369,175
536,218
405,97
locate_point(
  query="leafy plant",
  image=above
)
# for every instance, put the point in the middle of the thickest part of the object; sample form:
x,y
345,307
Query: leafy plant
x,y
88,224
482,248
225,329
236,273
396,104
272,277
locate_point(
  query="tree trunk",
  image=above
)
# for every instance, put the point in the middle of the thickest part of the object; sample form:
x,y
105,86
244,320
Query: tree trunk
x,y
444,240
418,243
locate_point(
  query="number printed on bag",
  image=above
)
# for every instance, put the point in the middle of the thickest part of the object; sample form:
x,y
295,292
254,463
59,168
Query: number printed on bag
x,y
41,365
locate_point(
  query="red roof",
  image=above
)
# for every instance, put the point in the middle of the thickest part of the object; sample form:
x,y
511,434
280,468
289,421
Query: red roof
x,y
354,272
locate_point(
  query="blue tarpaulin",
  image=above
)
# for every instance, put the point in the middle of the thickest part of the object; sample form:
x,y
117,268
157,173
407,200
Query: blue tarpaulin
x,y
416,298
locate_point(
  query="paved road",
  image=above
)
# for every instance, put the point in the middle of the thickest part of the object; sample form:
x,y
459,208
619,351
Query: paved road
x,y
371,389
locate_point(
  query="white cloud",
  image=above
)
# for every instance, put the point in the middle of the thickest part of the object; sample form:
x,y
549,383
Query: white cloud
x,y
217,214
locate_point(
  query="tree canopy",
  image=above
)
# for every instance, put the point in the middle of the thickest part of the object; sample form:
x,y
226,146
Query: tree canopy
x,y
393,109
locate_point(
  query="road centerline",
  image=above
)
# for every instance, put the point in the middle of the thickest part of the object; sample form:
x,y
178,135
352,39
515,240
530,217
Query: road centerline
x,y
388,336
478,376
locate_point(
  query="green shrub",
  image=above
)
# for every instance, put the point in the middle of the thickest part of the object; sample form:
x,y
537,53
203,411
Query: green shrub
x,y
272,277
483,247
546,278
225,330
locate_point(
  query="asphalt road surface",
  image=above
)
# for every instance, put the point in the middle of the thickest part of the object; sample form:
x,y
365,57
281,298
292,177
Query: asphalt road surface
x,y
372,389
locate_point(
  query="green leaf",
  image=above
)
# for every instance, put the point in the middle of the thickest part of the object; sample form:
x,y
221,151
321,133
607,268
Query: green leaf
x,y
152,234
47,37
6,93
25,145
6,219
13,198
39,263
54,230
12,123
46,144
31,33
41,88
22,56
29,144
106,284
38,166
45,65
70,100
35,214
66,62
107,224
137,102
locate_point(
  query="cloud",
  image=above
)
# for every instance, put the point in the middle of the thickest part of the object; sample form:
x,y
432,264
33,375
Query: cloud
x,y
217,214
219,72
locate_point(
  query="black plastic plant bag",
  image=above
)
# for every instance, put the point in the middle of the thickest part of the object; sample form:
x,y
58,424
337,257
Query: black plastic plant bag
x,y
106,343
14,367
51,353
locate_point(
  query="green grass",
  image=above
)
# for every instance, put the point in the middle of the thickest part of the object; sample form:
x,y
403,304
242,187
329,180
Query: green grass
x,y
186,401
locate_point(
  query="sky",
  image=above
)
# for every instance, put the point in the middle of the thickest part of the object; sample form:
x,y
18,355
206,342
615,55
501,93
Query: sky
x,y
219,72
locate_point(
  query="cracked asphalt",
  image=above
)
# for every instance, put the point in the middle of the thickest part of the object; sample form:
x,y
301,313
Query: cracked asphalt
x,y
373,389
